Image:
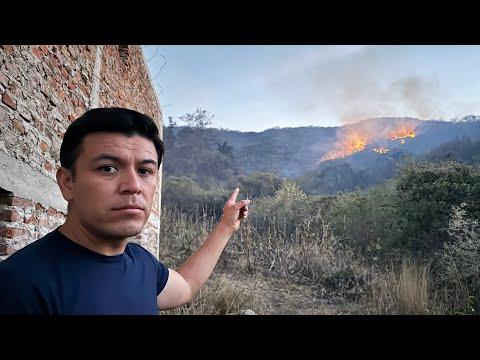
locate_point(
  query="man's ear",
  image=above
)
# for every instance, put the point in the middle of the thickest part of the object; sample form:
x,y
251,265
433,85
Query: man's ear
x,y
65,182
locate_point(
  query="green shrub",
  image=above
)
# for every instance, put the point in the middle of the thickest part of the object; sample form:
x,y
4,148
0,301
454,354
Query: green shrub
x,y
426,193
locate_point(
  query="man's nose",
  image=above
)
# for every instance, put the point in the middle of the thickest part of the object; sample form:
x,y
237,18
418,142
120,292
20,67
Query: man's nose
x,y
130,182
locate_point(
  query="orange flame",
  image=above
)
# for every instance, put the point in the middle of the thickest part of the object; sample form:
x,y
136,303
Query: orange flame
x,y
402,134
353,141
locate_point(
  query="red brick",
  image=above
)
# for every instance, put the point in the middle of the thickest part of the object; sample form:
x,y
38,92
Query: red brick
x,y
39,125
18,125
61,94
44,49
51,211
37,52
8,48
10,233
7,100
48,166
6,250
29,219
43,221
18,201
54,60
10,215
15,201
53,84
65,73
43,146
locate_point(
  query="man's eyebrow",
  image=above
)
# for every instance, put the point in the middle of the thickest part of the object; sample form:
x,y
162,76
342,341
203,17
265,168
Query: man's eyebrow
x,y
118,160
106,157
149,161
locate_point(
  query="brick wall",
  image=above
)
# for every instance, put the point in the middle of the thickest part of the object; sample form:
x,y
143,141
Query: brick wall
x,y
43,89
23,221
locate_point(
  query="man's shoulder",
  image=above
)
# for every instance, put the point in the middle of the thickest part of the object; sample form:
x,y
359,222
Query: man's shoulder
x,y
139,251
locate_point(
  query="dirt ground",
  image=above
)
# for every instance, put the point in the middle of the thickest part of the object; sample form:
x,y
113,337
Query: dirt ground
x,y
279,296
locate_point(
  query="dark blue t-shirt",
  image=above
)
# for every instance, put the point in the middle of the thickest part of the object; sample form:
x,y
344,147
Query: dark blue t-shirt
x,y
55,275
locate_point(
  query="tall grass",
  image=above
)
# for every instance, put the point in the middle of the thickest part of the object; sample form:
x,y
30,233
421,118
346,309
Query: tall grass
x,y
401,290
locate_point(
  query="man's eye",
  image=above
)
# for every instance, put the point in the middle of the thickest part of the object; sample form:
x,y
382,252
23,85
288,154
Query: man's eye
x,y
108,169
145,171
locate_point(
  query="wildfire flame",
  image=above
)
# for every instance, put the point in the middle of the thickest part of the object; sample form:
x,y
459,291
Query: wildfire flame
x,y
352,141
402,134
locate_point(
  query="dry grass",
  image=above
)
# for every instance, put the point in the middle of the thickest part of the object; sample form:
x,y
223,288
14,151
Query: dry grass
x,y
309,256
219,296
401,291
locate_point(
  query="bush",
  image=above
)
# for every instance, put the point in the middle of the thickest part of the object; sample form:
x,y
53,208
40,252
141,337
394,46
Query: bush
x,y
426,194
187,195
458,265
260,184
367,220
286,210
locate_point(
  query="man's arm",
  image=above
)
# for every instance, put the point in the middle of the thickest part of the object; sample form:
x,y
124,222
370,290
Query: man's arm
x,y
184,282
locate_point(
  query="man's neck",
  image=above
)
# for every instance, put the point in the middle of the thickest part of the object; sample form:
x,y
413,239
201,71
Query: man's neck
x,y
80,235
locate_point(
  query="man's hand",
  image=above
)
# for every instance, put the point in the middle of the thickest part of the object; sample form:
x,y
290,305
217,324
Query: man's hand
x,y
234,212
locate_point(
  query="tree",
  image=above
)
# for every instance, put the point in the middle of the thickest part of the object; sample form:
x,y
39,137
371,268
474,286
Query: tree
x,y
169,136
198,121
260,184
226,150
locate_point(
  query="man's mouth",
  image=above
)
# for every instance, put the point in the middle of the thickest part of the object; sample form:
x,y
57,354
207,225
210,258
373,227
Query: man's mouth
x,y
130,209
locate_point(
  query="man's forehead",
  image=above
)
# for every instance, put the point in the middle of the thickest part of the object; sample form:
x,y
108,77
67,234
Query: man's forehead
x,y
101,141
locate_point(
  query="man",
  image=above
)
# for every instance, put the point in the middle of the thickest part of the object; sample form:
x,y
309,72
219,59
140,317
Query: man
x,y
109,172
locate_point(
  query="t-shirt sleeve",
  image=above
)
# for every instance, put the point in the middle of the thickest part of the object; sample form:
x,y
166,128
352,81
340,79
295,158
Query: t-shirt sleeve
x,y
162,277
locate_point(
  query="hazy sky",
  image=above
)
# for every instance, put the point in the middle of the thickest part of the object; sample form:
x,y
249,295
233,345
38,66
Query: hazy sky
x,y
256,87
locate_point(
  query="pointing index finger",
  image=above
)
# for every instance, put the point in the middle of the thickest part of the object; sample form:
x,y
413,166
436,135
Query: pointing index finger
x,y
234,195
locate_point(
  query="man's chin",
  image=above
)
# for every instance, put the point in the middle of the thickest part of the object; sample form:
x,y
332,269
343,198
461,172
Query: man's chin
x,y
124,231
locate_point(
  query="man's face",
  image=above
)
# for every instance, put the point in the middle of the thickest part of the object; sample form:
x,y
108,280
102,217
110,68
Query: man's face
x,y
114,183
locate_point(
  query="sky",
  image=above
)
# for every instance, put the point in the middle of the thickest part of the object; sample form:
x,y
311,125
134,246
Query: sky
x,y
257,87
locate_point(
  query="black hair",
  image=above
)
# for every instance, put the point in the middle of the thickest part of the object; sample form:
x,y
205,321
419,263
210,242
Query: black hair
x,y
114,119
